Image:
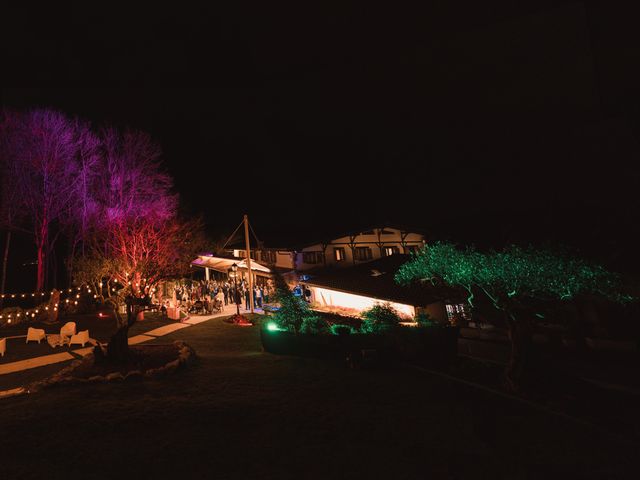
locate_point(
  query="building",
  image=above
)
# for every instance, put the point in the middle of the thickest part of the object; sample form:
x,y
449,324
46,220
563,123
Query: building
x,y
349,291
344,250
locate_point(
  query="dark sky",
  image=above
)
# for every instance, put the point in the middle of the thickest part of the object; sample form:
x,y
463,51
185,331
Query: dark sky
x,y
496,122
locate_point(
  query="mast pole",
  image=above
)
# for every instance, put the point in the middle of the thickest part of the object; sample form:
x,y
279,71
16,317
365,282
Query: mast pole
x,y
248,259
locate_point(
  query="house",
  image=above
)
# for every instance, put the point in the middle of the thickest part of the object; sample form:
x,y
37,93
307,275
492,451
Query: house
x,y
343,250
352,290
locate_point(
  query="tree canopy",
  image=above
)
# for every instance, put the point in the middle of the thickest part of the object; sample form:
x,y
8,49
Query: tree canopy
x,y
515,273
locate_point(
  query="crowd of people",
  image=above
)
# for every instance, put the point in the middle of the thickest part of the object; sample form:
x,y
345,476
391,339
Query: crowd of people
x,y
215,294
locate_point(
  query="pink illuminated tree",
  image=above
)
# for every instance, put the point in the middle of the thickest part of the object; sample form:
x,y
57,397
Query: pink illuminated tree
x,y
10,205
134,238
44,167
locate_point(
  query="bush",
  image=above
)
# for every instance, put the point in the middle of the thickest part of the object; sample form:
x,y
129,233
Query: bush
x,y
339,329
426,320
314,324
380,319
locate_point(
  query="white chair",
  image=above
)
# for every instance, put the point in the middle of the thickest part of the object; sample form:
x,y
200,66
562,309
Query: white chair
x,y
67,330
3,346
80,338
35,334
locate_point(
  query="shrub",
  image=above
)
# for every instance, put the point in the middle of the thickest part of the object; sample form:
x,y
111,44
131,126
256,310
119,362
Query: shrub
x,y
313,323
426,320
380,319
339,329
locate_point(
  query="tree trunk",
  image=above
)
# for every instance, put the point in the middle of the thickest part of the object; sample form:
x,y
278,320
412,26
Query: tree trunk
x,y
521,337
5,258
42,258
118,347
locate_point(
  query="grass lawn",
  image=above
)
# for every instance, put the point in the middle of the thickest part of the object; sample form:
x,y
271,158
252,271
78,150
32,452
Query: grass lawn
x,y
242,413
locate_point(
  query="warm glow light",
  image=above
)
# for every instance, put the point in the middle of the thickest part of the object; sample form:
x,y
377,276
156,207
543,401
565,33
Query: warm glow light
x,y
331,298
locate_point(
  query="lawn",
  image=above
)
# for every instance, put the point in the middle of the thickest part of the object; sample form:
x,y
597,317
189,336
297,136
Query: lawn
x,y
242,413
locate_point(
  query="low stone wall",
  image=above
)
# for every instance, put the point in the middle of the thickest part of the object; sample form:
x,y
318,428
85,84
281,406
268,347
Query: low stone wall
x,y
186,355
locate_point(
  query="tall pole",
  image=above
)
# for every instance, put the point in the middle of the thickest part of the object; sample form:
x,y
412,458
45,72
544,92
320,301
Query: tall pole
x,y
235,292
248,247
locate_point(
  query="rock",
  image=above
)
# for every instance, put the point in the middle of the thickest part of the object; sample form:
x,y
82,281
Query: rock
x,y
134,375
114,376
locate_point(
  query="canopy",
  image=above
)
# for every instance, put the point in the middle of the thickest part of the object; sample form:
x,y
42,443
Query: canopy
x,y
222,264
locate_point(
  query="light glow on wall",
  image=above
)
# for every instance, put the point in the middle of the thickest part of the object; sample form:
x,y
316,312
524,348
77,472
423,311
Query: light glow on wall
x,y
324,297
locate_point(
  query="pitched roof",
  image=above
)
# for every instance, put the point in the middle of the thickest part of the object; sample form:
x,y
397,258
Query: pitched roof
x,y
376,279
300,239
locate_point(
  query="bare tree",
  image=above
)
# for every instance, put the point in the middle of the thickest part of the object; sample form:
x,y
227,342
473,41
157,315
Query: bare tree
x,y
45,172
11,211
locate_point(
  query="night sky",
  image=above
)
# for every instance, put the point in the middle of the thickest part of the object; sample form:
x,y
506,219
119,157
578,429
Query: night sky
x,y
486,124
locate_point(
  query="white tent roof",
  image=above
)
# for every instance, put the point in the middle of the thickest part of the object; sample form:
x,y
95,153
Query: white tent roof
x,y
223,265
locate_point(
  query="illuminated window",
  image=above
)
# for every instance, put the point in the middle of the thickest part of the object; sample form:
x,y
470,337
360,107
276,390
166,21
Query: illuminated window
x,y
313,257
363,253
338,253
388,251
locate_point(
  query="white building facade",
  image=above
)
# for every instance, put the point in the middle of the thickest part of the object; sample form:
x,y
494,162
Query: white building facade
x,y
344,251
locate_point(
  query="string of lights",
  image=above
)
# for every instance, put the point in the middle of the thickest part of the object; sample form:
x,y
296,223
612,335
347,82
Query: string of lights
x,y
43,294
32,312
75,292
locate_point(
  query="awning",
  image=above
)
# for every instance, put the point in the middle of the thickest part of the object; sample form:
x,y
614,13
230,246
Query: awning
x,y
223,265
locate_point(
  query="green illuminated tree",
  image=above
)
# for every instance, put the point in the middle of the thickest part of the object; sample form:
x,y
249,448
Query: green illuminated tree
x,y
517,282
294,314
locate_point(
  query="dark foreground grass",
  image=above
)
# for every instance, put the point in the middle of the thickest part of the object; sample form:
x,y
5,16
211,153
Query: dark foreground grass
x,y
241,413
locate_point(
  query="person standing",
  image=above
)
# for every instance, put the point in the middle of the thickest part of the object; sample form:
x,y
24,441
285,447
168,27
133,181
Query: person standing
x,y
259,296
246,298
225,290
